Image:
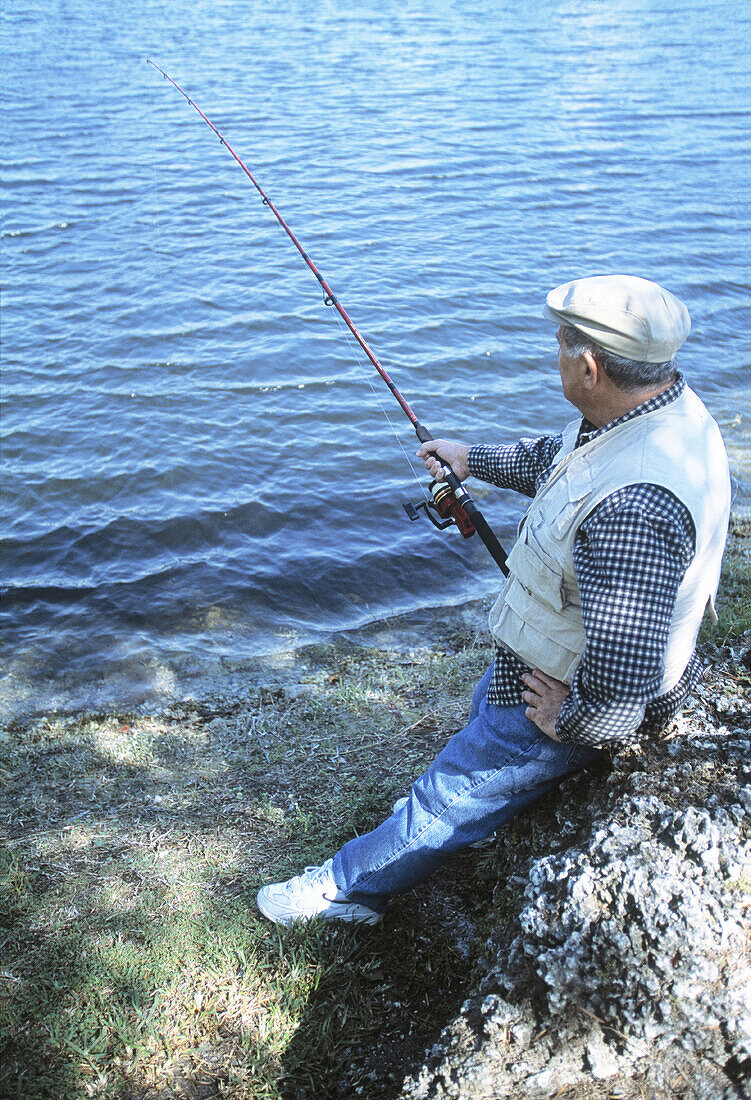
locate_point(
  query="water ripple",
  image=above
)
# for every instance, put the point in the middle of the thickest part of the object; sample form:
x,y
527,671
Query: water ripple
x,y
187,436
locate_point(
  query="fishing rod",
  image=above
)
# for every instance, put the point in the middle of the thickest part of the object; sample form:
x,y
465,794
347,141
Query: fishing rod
x,y
449,499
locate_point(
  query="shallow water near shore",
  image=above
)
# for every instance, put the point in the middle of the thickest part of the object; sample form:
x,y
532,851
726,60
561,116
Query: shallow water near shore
x,y
198,474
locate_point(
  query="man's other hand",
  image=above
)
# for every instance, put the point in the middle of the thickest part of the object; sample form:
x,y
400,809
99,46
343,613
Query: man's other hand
x,y
544,697
440,453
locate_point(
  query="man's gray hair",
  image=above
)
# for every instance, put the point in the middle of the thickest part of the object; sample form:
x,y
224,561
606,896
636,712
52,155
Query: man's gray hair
x,y
627,374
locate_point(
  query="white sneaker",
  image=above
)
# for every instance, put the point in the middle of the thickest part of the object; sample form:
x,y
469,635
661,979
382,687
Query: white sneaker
x,y
311,894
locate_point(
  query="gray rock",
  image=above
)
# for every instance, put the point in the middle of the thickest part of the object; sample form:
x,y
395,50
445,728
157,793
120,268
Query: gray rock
x,y
631,965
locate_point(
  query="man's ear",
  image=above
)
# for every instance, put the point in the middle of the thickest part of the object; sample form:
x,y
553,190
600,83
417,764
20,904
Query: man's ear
x,y
591,370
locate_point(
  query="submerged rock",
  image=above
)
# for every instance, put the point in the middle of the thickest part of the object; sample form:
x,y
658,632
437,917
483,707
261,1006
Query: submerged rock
x,y
630,974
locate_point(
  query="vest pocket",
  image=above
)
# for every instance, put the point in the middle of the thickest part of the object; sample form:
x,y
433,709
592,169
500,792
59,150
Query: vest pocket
x,y
562,512
512,623
543,580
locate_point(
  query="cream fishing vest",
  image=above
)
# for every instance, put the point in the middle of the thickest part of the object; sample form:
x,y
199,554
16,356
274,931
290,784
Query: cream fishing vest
x,y
538,614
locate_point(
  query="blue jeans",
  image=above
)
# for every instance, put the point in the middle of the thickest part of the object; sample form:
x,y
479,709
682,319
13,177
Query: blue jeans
x,y
496,766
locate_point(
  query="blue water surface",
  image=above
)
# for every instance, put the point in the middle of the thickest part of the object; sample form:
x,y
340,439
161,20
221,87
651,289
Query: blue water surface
x,y
197,461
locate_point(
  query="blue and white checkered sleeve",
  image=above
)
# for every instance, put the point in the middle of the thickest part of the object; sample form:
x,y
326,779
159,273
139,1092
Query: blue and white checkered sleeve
x,y
630,556
516,466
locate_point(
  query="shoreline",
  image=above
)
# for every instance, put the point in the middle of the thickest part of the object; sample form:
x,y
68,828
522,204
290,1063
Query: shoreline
x,y
232,680
144,684
162,685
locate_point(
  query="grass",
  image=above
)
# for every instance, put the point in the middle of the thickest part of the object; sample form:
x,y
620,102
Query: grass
x,y
133,962
132,957
734,597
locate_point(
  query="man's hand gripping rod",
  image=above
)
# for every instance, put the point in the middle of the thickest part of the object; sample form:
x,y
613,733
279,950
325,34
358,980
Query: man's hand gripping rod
x,y
456,503
453,504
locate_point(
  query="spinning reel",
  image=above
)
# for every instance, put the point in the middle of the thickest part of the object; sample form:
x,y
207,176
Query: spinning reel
x,y
449,505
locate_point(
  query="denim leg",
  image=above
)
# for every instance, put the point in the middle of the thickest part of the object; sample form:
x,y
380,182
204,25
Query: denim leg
x,y
480,692
489,771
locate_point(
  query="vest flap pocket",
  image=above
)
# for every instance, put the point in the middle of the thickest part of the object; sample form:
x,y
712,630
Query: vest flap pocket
x,y
540,581
578,488
532,646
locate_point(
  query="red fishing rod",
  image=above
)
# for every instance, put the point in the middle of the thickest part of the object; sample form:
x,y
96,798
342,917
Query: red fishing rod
x,y
450,499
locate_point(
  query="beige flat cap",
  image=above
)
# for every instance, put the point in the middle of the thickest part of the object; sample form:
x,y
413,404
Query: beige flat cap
x,y
624,314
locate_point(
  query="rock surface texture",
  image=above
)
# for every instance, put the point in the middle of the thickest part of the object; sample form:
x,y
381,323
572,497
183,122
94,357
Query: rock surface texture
x,y
630,975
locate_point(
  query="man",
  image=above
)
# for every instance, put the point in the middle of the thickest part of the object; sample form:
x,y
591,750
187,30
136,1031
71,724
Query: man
x,y
617,559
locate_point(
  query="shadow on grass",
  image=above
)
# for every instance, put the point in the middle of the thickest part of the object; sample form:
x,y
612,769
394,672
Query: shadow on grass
x,y
384,996
133,959
386,993
133,1004
133,963
110,983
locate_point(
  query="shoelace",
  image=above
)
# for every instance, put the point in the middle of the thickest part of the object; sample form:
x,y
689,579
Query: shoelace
x,y
313,875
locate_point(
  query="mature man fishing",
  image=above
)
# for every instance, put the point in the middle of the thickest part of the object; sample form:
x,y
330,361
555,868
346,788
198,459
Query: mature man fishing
x,y
617,559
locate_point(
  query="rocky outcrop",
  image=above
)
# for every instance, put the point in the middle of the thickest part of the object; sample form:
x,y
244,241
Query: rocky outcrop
x,y
630,974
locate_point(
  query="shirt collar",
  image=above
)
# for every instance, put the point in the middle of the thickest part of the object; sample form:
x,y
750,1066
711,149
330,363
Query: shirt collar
x,y
588,432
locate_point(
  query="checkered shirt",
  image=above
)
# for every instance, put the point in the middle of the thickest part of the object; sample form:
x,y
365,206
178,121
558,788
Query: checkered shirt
x,y
640,539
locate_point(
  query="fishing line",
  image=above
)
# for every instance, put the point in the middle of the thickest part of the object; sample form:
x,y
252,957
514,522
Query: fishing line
x,y
157,222
450,499
360,363
157,250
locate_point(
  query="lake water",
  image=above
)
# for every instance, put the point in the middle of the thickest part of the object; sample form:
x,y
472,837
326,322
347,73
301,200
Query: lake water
x,y
198,467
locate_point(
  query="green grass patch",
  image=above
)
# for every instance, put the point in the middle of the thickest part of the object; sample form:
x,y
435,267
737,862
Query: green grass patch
x,y
734,595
